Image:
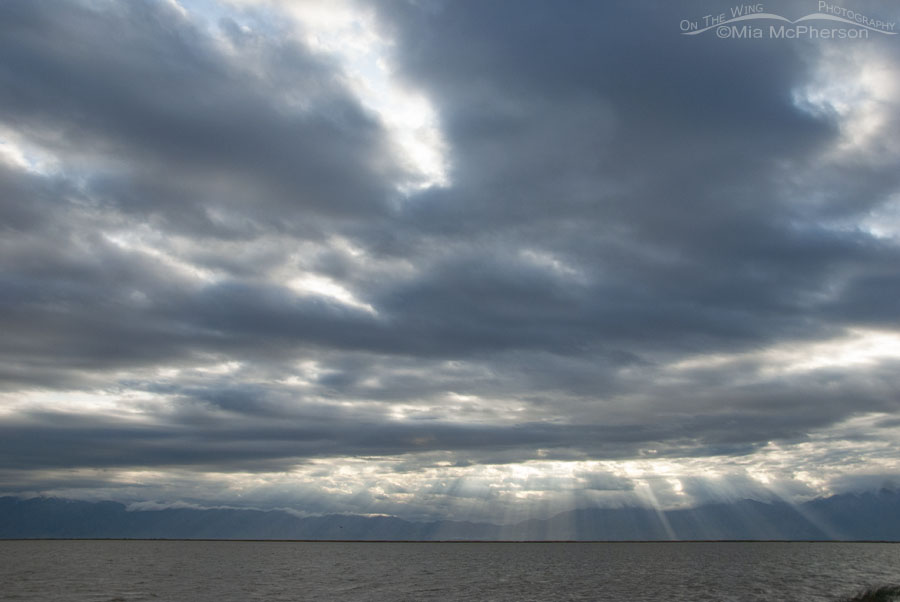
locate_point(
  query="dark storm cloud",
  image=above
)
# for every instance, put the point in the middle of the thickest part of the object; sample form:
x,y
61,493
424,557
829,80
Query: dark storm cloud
x,y
265,427
590,89
669,184
184,127
156,123
61,441
620,198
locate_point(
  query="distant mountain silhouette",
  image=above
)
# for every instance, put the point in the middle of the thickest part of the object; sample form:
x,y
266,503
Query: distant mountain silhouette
x,y
864,516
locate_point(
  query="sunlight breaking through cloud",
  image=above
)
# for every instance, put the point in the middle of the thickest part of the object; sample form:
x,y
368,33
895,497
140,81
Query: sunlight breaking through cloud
x,y
350,31
442,259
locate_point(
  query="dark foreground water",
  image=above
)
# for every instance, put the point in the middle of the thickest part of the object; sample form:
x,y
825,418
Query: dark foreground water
x,y
106,571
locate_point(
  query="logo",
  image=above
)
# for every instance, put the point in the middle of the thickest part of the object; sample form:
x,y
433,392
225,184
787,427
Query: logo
x,y
746,21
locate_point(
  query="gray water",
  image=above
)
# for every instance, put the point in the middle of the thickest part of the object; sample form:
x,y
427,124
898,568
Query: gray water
x,y
107,571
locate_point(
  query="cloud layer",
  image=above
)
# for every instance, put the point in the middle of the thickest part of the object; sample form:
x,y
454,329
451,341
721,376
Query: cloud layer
x,y
651,267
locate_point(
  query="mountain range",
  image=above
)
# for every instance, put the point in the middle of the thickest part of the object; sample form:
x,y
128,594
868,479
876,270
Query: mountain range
x,y
870,516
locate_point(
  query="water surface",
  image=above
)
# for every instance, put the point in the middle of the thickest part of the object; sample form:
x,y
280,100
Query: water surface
x,y
107,571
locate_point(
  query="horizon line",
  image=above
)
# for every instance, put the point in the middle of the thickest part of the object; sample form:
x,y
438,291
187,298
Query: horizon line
x,y
257,540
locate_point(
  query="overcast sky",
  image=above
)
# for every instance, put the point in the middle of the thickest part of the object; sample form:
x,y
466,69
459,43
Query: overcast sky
x,y
452,258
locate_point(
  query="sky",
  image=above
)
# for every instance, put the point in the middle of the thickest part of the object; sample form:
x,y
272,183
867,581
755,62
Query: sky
x,y
445,258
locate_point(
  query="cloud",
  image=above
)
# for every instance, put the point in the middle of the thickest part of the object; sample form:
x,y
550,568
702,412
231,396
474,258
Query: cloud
x,y
223,261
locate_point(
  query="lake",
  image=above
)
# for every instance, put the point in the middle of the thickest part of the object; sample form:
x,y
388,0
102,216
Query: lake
x,y
107,571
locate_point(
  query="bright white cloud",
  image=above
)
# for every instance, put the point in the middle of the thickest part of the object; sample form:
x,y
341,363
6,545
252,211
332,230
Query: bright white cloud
x,y
349,31
861,90
857,348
